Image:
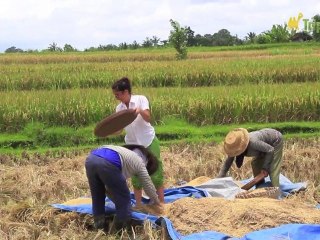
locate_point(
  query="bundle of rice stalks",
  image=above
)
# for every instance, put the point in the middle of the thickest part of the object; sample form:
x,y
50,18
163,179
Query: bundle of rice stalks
x,y
268,192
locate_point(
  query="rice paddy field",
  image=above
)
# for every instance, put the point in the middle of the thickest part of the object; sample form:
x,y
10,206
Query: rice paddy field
x,y
50,104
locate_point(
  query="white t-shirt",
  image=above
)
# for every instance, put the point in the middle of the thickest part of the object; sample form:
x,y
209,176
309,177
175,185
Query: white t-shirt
x,y
139,131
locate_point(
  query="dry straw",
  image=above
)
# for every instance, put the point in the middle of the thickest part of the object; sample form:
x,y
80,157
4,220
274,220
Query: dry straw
x,y
29,186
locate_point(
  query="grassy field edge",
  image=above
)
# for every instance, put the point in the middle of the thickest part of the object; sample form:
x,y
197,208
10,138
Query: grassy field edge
x,y
65,140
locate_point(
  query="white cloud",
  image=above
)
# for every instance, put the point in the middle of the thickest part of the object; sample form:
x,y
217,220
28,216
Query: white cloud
x,y
37,23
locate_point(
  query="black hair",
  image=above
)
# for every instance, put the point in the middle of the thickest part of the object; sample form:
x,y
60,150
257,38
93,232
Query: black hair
x,y
122,84
152,161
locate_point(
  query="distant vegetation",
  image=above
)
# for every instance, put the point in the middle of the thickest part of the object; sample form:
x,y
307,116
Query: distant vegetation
x,y
286,63
246,84
279,33
232,86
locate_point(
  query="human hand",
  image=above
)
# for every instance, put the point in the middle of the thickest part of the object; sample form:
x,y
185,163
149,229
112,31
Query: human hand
x,y
157,208
138,207
138,204
138,110
265,172
154,209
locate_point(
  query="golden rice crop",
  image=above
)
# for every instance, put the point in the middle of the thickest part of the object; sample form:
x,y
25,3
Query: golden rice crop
x,y
203,105
217,68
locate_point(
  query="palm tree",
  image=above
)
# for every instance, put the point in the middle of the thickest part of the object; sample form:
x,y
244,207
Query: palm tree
x,y
53,47
251,36
155,41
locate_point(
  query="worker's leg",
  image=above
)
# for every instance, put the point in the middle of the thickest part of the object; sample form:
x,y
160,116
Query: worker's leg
x,y
154,147
256,165
276,163
137,191
157,178
97,189
116,184
160,192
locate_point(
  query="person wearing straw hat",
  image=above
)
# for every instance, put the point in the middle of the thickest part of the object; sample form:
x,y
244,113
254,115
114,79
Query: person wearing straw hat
x,y
107,169
265,146
140,132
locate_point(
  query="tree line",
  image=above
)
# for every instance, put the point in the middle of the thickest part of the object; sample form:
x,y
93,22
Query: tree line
x,y
187,38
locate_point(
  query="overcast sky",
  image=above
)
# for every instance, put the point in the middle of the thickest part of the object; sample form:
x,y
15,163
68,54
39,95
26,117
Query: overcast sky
x,y
34,24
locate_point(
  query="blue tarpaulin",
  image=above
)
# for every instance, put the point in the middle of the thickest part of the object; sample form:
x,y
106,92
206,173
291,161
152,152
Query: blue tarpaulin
x,y
83,205
287,232
283,232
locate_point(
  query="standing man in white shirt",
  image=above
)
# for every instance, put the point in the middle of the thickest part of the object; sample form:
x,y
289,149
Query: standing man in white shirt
x,y
139,132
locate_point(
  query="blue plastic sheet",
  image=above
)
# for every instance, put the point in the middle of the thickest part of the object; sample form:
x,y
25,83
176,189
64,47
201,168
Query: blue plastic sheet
x,y
283,232
206,235
287,232
170,196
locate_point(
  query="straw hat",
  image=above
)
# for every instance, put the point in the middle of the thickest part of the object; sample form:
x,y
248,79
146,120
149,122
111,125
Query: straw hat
x,y
236,142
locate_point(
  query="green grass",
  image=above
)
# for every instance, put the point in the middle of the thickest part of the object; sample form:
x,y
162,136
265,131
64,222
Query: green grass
x,y
246,47
15,140
171,131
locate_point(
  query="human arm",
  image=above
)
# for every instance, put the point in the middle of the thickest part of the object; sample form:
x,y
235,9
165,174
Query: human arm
x,y
143,108
147,185
266,149
225,167
137,167
145,114
134,165
265,172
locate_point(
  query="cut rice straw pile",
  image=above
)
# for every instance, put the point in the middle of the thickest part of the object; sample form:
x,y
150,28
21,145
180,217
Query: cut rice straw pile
x,y
239,216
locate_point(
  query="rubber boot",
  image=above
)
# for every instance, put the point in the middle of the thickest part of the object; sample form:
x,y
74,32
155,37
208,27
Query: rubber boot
x,y
99,222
